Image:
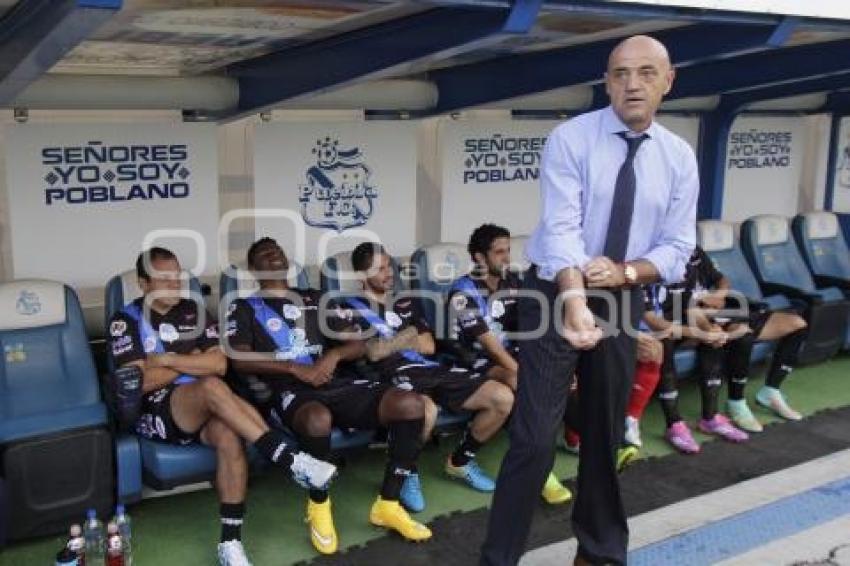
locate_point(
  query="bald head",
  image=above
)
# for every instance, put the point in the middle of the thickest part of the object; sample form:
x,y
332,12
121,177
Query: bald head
x,y
639,46
639,75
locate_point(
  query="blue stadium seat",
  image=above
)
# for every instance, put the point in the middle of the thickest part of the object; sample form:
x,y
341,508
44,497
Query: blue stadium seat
x,y
779,268
337,275
824,248
53,422
239,278
163,466
433,270
717,238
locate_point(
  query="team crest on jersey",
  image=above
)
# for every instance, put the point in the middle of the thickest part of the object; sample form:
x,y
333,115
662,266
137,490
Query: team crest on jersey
x,y
339,193
459,302
167,333
117,328
149,345
392,319
274,324
291,312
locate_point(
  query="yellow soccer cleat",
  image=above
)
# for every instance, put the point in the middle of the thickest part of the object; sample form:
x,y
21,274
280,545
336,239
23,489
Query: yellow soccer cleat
x,y
322,530
391,515
554,492
626,456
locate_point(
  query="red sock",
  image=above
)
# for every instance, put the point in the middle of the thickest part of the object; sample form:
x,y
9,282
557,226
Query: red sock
x,y
647,375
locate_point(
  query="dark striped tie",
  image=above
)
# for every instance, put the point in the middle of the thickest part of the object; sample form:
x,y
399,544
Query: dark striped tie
x,y
623,205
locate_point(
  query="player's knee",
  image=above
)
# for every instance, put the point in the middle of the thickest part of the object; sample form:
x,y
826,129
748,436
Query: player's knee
x,y
406,406
214,389
314,420
502,399
798,323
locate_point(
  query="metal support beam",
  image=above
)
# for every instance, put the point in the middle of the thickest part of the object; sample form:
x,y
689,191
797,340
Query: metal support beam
x,y
36,34
713,141
783,32
716,125
369,52
755,70
523,15
508,77
832,159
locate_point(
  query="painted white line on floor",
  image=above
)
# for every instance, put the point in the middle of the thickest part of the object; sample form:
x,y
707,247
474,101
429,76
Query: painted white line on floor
x,y
689,514
811,547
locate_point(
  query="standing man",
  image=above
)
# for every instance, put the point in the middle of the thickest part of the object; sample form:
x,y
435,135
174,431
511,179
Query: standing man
x,y
619,195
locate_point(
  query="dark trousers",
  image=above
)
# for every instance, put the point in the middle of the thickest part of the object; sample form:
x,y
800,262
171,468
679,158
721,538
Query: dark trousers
x,y
605,375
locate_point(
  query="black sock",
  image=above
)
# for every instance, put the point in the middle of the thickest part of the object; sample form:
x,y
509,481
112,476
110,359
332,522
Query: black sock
x,y
784,358
272,445
466,450
710,362
318,447
709,390
404,439
231,521
738,353
668,392
736,388
670,405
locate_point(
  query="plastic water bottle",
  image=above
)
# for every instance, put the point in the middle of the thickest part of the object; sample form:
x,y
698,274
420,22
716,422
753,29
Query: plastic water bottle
x,y
114,546
122,519
93,533
77,544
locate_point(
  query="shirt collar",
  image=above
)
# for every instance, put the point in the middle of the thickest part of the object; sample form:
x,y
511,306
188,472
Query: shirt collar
x,y
613,125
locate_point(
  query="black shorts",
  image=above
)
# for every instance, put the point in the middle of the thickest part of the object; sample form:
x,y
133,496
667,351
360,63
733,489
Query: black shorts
x,y
448,386
757,321
353,404
483,363
157,422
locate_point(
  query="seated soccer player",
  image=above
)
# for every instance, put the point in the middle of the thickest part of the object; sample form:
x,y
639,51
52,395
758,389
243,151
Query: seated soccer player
x,y
650,355
185,400
299,382
723,343
484,312
400,350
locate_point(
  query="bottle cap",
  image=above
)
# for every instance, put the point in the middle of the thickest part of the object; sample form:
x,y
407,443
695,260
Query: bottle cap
x,y
91,513
112,528
119,509
76,530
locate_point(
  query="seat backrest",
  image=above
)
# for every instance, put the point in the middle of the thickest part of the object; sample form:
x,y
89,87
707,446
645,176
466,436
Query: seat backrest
x,y
822,243
337,274
239,279
518,261
770,249
123,289
717,238
47,364
433,269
